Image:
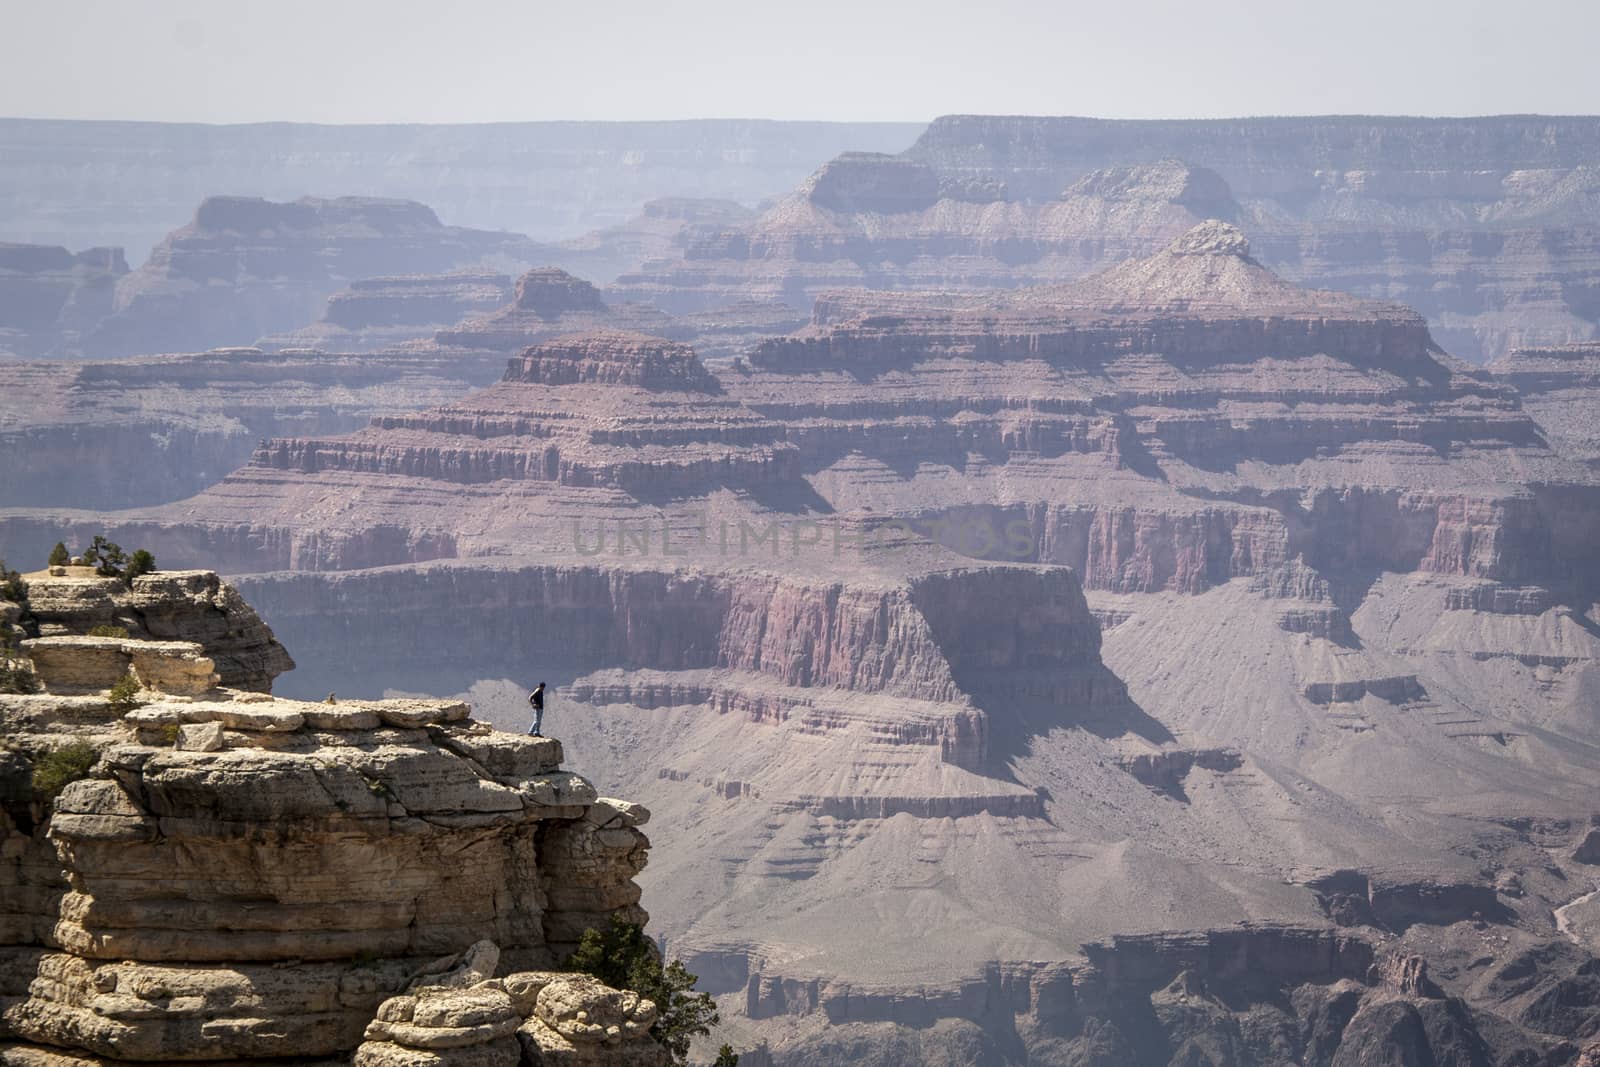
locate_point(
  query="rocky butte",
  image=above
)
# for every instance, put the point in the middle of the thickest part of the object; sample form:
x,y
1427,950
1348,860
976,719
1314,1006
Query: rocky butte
x,y
1172,666
201,872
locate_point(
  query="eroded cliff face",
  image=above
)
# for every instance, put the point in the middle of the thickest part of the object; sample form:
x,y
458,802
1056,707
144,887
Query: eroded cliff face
x,y
217,875
884,222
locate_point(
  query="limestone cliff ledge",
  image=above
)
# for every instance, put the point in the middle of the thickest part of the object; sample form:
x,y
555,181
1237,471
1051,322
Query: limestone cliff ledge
x,y
237,877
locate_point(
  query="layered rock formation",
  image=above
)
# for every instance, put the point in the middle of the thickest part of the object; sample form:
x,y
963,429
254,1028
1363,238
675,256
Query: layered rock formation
x,y
1324,705
1420,164
146,430
184,606
49,296
245,268
215,875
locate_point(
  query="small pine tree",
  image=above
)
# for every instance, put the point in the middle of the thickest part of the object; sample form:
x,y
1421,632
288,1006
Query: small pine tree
x,y
59,556
726,1057
624,958
141,562
106,557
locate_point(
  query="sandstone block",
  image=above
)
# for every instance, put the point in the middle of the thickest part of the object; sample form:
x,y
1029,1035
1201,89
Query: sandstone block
x,y
609,812
78,664
474,965
524,988
476,1006
584,1009
158,715
178,667
558,789
200,737
503,754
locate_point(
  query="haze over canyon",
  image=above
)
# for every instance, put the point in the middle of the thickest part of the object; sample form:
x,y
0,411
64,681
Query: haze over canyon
x,y
1059,591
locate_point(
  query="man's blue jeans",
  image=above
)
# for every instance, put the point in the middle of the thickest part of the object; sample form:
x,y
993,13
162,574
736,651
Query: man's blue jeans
x,y
538,722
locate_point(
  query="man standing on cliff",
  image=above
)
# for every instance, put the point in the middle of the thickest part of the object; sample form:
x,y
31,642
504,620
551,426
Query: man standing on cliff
x,y
536,700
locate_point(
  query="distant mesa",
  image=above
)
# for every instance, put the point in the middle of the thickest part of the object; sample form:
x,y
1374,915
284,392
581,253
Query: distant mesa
x,y
253,215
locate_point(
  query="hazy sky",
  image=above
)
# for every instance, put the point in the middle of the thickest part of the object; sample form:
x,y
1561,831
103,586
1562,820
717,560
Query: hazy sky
x,y
470,61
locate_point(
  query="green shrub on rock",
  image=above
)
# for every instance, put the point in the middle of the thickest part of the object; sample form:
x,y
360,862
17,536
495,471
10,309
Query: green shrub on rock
x,y
56,769
124,696
59,556
109,561
105,630
624,958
